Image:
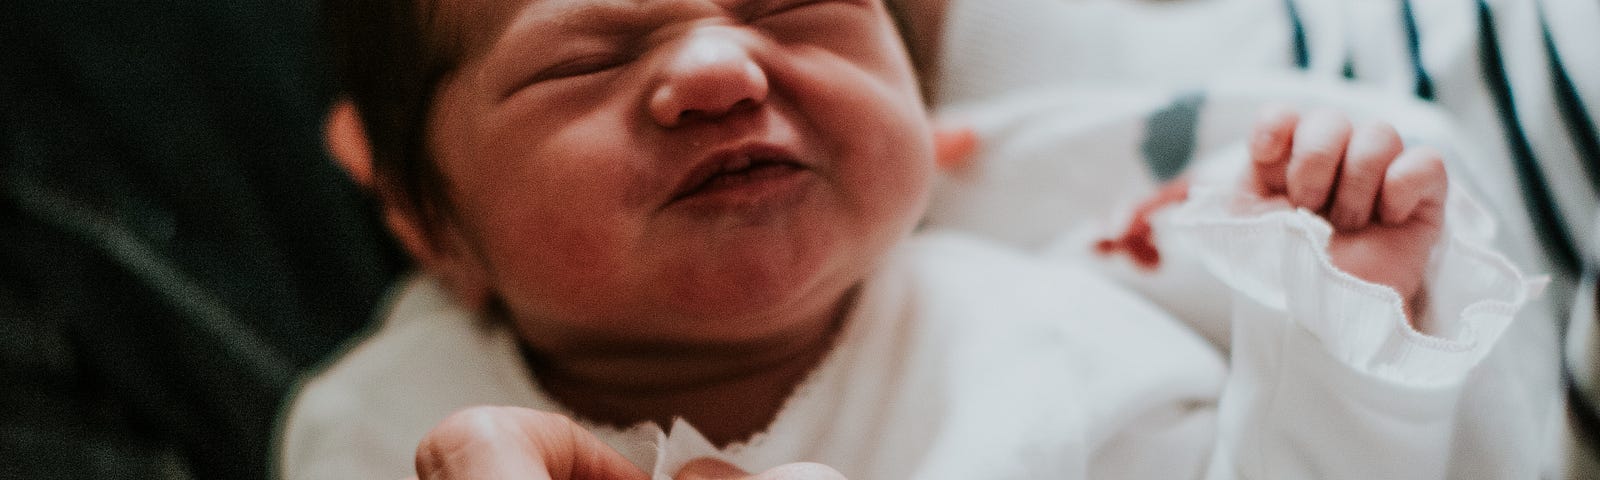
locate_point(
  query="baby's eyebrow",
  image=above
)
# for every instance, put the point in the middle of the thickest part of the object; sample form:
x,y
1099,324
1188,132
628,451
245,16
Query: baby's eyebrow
x,y
571,13
616,16
582,14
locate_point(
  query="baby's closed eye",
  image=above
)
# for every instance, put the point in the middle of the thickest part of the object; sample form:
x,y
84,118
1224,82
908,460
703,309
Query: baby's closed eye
x,y
582,65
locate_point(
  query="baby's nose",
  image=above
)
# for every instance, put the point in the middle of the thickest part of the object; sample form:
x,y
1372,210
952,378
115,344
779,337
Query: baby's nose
x,y
710,75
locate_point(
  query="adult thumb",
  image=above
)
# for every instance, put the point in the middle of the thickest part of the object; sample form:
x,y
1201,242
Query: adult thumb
x,y
506,442
713,469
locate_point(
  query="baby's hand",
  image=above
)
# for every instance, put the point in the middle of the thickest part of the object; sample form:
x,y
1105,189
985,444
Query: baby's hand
x,y
1385,201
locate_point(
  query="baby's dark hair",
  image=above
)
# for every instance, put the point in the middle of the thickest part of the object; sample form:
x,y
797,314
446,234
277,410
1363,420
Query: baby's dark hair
x,y
385,65
389,63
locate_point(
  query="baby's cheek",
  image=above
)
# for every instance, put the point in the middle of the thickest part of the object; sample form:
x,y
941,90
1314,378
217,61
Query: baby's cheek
x,y
557,259
894,200
902,163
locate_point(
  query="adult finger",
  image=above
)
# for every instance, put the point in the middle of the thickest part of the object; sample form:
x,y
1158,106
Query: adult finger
x,y
1414,188
800,471
1270,146
707,468
1319,146
1366,163
504,442
713,469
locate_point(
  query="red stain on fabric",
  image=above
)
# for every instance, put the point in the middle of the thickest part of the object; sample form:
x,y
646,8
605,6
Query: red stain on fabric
x,y
1138,239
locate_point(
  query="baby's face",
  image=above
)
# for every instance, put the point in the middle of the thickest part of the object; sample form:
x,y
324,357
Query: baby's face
x,y
677,170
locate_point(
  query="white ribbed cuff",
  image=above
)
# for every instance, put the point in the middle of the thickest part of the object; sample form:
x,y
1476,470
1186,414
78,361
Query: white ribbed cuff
x,y
1278,258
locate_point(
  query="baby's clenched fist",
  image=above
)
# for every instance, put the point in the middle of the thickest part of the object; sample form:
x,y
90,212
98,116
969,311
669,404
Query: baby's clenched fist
x,y
1384,200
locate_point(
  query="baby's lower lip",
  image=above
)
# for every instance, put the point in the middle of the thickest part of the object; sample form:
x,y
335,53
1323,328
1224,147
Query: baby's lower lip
x,y
756,186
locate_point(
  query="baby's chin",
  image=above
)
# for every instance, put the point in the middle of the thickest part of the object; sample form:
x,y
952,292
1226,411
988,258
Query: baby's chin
x,y
812,273
758,281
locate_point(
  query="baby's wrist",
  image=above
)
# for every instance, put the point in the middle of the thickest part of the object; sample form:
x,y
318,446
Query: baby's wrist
x,y
1416,309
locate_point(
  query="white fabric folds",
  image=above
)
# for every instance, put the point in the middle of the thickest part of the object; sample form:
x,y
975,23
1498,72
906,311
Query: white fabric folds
x,y
676,449
1277,257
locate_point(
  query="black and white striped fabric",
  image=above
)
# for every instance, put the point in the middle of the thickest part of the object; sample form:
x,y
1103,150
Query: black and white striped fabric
x,y
1530,58
1521,75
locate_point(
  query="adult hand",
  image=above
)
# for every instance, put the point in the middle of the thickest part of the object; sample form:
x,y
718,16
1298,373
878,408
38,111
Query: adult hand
x,y
712,469
505,442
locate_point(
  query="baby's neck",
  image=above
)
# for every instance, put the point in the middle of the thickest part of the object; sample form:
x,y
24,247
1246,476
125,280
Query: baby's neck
x,y
728,392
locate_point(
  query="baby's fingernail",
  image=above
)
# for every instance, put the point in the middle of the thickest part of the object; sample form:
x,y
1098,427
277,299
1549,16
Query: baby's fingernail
x,y
1265,138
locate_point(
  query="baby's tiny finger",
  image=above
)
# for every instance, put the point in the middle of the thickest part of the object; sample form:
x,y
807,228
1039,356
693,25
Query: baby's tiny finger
x,y
1415,180
1270,145
1372,149
1319,146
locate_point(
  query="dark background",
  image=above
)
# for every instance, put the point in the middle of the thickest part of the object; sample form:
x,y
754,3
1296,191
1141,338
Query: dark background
x,y
177,247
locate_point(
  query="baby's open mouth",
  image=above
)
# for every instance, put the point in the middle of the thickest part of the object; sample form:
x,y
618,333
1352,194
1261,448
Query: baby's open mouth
x,y
739,175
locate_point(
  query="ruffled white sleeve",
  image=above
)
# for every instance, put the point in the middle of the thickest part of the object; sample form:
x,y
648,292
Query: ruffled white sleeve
x,y
1328,379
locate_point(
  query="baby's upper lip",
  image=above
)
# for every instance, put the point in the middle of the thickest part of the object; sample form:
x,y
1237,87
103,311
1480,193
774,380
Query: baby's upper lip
x,y
733,159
